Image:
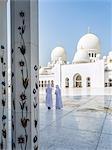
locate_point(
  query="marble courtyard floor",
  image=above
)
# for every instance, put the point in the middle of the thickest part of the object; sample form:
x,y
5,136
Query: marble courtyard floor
x,y
84,123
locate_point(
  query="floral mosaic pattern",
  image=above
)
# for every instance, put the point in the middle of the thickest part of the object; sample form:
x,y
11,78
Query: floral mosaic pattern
x,y
35,108
23,139
25,119
3,136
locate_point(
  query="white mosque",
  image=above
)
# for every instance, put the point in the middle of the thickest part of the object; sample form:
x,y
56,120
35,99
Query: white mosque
x,y
87,69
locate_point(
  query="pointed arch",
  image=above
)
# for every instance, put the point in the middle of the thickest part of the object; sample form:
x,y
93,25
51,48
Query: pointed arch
x,y
77,80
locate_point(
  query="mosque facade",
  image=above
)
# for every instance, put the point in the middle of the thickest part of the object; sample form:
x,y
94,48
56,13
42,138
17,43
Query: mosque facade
x,y
87,69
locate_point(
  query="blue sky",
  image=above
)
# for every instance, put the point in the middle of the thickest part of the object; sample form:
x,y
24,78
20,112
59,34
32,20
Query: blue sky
x,y
63,22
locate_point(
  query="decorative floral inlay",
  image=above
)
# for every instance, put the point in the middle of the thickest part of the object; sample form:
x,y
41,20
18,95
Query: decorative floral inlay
x,y
24,97
24,120
3,142
35,105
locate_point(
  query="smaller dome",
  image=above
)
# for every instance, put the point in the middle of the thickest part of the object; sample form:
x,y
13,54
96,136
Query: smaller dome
x,y
41,71
110,53
104,57
89,42
109,58
58,52
98,56
81,57
108,67
49,65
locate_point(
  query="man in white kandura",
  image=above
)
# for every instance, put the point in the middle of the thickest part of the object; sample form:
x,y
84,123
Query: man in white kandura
x,y
49,97
59,104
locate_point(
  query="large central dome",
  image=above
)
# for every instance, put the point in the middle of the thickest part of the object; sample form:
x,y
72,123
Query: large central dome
x,y
81,57
89,42
58,52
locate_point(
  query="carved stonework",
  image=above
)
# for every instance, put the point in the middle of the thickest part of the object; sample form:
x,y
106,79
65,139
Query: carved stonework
x,y
3,77
24,119
24,75
4,117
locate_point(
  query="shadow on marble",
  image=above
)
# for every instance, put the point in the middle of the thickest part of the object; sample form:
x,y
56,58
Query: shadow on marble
x,y
77,128
62,138
80,123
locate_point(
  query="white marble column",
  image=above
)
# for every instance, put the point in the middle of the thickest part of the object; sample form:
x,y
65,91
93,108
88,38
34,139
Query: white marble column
x,y
24,44
3,77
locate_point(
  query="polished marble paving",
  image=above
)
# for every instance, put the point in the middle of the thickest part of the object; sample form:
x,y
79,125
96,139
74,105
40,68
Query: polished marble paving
x,y
84,123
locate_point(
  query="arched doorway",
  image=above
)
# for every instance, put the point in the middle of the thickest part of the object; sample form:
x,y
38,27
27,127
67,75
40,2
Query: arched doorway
x,y
77,80
88,81
67,82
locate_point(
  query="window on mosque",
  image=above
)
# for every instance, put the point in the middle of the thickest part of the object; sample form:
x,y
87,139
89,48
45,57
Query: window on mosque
x,y
110,60
88,79
110,82
88,82
78,77
88,85
67,82
105,84
52,83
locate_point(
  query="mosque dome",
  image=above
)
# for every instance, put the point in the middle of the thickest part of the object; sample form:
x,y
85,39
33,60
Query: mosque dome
x,y
58,52
110,53
109,57
98,56
89,42
104,57
81,57
42,71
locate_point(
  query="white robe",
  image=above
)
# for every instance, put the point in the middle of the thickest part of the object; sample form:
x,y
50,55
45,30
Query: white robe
x,y
58,98
49,97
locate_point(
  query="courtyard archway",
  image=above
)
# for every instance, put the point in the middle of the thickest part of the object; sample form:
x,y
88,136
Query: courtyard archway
x,y
77,80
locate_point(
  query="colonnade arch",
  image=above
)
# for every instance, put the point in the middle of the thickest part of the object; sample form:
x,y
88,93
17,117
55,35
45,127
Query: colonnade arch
x,y
44,83
77,80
